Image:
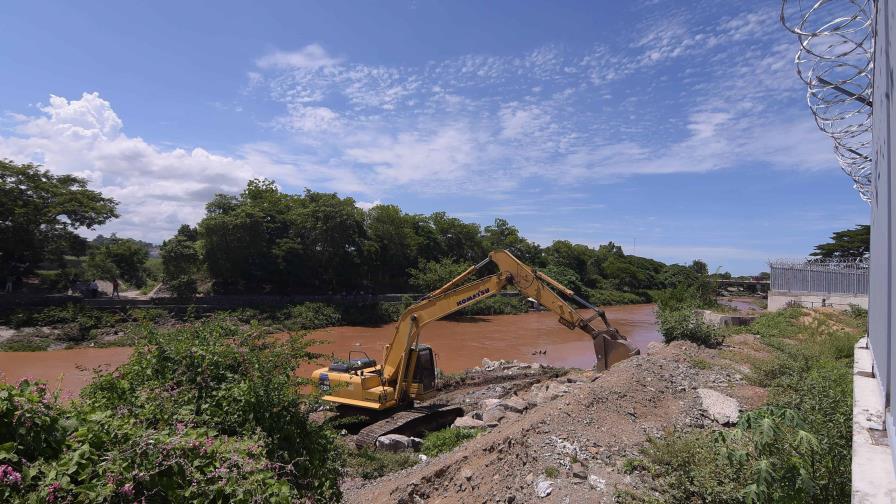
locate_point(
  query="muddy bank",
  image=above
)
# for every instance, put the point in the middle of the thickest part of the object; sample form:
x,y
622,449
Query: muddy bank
x,y
459,344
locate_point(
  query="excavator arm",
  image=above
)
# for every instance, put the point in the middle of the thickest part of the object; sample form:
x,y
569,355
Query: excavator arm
x,y
392,383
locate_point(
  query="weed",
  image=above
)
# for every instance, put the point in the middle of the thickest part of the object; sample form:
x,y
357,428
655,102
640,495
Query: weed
x,y
551,472
445,440
700,363
372,464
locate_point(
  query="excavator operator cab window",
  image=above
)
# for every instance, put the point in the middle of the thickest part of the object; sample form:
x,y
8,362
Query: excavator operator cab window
x,y
425,369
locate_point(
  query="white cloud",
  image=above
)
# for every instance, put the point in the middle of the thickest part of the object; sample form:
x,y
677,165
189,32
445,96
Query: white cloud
x,y
311,56
158,189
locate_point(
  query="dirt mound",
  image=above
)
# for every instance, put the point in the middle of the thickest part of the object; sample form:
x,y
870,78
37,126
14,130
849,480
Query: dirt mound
x,y
568,445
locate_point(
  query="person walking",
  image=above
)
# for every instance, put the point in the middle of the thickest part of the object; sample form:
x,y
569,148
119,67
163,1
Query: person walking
x,y
94,289
115,288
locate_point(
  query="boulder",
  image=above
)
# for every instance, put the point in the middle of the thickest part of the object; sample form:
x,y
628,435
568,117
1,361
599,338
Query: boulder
x,y
719,407
393,443
493,415
465,423
514,404
487,404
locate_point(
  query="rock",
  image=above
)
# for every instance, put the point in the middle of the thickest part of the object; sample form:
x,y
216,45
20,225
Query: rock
x,y
653,346
487,363
579,471
514,404
415,443
393,442
719,407
476,415
530,478
487,404
467,474
491,425
422,457
466,422
493,415
596,482
543,488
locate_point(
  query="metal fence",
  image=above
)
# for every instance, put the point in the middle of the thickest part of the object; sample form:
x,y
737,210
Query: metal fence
x,y
829,277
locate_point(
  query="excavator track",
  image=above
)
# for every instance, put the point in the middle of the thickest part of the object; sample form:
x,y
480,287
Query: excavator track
x,y
408,423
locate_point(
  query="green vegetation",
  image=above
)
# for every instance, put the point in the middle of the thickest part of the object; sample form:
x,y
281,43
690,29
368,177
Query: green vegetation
x,y
677,308
797,447
847,244
204,412
39,213
372,464
263,240
551,472
121,258
445,440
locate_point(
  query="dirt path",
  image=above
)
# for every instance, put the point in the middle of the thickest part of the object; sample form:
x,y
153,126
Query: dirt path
x,y
573,445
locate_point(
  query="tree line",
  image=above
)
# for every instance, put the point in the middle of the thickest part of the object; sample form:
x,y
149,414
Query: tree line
x,y
263,240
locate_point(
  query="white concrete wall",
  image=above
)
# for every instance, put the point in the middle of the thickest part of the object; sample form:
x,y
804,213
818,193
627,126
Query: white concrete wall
x,y
779,299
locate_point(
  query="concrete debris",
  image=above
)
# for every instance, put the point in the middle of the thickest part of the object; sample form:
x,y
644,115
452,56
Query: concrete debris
x,y
543,488
719,407
488,404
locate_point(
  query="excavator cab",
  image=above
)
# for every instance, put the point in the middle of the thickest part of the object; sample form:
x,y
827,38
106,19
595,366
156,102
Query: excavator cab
x,y
423,377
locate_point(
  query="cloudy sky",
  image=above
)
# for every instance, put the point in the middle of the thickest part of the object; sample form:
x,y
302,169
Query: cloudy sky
x,y
678,129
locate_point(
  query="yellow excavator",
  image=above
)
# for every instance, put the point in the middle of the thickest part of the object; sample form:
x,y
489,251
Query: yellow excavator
x,y
408,373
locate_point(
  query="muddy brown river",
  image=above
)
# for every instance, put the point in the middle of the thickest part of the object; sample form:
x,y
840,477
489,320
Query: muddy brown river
x,y
458,344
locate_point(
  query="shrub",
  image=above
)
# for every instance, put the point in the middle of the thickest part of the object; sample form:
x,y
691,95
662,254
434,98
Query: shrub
x,y
688,325
307,316
445,440
603,297
31,425
200,413
237,383
688,467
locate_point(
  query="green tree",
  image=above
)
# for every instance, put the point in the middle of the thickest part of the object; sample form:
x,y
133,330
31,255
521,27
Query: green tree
x,y
430,275
847,244
40,212
116,257
503,235
181,261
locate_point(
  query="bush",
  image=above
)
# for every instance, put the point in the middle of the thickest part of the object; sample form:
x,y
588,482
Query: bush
x,y
307,316
445,440
688,325
201,413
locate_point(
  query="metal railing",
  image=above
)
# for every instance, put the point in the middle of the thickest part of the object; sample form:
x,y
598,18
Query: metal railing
x,y
829,277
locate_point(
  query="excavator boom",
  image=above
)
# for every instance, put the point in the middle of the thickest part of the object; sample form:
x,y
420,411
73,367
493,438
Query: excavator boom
x,y
407,370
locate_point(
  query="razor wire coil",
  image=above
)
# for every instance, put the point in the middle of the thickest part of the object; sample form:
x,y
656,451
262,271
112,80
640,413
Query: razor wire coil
x,y
835,61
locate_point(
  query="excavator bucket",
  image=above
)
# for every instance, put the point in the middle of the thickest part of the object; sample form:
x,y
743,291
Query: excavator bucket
x,y
610,351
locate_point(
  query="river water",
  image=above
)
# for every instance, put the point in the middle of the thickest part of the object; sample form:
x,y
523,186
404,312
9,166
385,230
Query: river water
x,y
458,344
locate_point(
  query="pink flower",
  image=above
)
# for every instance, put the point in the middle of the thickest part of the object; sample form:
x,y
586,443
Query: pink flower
x,y
9,476
127,490
51,492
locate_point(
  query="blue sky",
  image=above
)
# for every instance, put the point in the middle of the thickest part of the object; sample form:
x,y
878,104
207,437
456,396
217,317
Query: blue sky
x,y
678,129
